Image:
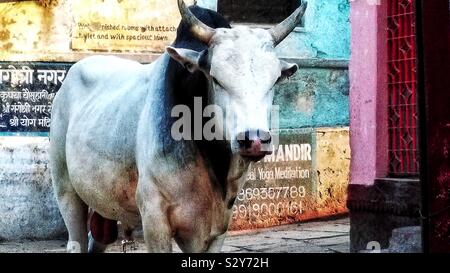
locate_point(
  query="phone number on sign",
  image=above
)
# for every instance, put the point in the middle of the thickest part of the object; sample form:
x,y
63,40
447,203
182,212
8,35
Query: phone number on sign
x,y
267,209
271,193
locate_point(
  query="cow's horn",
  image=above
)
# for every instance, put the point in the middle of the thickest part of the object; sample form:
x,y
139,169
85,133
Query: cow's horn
x,y
280,31
197,27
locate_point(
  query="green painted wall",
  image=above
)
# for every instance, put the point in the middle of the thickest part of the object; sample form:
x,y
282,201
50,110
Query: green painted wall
x,y
325,35
314,97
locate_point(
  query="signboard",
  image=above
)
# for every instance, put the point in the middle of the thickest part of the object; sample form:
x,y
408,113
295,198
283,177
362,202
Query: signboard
x,y
144,25
279,188
26,94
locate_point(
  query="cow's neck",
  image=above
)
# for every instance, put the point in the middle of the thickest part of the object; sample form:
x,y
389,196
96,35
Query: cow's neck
x,y
181,88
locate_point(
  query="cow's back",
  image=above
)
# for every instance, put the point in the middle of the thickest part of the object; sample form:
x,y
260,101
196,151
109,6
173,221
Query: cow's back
x,y
100,102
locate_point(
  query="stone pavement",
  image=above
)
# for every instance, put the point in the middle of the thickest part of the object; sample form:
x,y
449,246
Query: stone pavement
x,y
330,236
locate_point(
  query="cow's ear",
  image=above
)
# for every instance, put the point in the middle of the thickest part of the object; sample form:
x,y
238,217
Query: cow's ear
x,y
186,57
288,69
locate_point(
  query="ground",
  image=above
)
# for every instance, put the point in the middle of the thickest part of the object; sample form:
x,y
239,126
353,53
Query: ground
x,y
331,236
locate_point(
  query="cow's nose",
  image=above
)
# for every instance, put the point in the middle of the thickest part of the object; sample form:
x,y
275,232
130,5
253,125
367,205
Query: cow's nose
x,y
254,144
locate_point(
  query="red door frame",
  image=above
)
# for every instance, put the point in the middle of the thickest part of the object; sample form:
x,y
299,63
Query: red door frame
x,y
433,39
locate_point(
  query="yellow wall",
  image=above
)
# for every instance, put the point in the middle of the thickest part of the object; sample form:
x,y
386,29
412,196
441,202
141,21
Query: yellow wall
x,y
31,31
332,167
325,196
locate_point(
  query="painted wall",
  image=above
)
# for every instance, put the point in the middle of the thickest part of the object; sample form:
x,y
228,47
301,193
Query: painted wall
x,y
368,114
34,32
319,192
315,99
27,204
44,33
326,34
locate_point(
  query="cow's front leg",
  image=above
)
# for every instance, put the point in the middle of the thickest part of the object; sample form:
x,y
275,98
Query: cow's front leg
x,y
155,224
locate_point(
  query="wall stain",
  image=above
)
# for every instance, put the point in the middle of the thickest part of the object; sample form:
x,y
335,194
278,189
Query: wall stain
x,y
4,35
7,46
4,21
48,3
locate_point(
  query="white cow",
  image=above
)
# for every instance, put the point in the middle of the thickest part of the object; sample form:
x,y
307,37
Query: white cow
x,y
112,143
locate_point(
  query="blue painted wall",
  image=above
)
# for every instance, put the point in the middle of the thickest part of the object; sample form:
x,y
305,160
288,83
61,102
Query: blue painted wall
x,y
326,32
210,4
314,97
325,35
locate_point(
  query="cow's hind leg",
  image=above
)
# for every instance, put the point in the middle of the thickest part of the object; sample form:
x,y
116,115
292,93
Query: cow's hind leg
x,y
74,212
73,209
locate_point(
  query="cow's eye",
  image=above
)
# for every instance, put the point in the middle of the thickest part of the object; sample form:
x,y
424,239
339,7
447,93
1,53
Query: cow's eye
x,y
188,66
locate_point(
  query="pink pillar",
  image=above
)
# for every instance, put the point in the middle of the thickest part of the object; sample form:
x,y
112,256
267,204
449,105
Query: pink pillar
x,y
368,95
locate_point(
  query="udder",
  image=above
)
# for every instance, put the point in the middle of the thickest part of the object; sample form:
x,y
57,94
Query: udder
x,y
102,229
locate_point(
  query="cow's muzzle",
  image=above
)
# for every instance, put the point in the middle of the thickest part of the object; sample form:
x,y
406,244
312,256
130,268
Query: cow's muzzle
x,y
254,144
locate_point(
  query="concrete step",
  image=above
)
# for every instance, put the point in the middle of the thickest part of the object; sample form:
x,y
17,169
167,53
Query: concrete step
x,y
403,240
406,240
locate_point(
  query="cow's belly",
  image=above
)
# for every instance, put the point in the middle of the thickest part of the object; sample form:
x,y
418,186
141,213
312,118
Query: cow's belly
x,y
105,185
